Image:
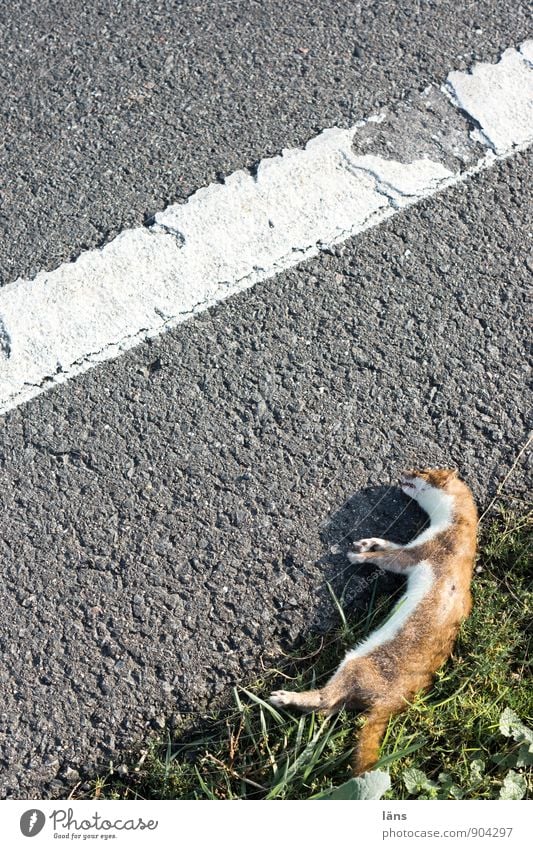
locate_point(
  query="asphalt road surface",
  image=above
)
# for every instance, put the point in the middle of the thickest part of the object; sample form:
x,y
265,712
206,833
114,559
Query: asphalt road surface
x,y
171,517
112,110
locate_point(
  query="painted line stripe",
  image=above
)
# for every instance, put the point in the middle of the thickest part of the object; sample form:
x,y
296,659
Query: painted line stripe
x,y
229,236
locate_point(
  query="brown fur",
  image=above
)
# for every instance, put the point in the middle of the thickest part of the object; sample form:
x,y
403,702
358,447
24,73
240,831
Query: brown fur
x,y
384,681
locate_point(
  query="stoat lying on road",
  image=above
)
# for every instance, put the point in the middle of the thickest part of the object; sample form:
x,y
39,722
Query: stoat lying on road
x,y
384,672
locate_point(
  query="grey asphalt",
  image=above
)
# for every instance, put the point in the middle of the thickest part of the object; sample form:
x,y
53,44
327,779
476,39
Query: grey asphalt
x,y
170,518
109,111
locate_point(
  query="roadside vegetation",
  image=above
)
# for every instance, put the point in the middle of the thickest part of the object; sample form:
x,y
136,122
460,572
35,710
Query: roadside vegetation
x,y
468,738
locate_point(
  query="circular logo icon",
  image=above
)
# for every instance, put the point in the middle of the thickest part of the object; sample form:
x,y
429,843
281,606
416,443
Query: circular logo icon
x,y
32,822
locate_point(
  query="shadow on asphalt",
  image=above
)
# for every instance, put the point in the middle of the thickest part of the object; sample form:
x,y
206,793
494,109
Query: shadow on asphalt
x,y
378,511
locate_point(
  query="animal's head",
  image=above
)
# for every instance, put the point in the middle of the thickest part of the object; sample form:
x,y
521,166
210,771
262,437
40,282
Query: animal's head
x,y
418,483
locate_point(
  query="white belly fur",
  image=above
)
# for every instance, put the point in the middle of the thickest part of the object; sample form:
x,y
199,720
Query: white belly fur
x,y
419,583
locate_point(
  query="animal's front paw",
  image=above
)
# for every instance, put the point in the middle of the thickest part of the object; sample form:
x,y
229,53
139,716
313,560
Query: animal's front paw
x,y
364,548
370,544
281,698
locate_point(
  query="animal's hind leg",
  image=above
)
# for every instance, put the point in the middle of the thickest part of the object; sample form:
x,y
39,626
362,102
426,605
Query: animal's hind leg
x,y
339,691
308,700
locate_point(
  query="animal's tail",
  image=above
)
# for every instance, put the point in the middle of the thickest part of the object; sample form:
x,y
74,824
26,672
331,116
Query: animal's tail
x,y
367,752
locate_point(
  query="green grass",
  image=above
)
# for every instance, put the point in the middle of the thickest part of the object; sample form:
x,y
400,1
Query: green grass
x,y
448,744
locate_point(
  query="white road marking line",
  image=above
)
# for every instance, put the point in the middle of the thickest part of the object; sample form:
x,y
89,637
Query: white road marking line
x,y
229,236
502,103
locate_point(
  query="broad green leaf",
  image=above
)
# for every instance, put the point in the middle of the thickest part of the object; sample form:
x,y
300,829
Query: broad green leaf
x,y
371,785
514,786
506,761
415,780
525,755
447,788
512,726
348,790
477,769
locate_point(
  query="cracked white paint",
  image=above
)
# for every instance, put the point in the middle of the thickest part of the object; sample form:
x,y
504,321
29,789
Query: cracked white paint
x,y
401,182
255,224
499,97
229,236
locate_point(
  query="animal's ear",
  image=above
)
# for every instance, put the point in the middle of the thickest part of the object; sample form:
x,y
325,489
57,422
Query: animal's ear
x,y
419,473
444,476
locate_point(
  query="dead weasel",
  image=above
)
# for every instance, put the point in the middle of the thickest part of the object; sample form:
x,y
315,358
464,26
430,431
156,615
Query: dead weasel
x,y
384,672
